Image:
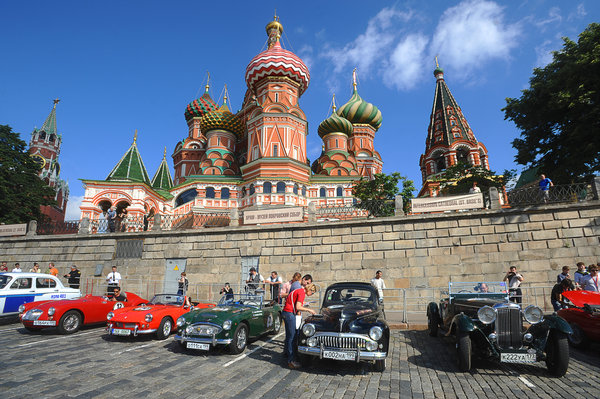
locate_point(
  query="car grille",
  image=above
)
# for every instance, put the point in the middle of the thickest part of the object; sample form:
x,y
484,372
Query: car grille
x,y
204,329
125,325
341,341
508,328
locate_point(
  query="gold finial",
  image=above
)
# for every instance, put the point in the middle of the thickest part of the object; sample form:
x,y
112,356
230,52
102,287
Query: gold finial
x,y
334,106
274,30
135,137
225,95
165,153
354,79
56,101
207,81
436,62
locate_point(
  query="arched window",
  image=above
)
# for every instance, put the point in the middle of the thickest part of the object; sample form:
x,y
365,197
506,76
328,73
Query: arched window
x,y
210,192
440,163
42,135
304,191
185,197
462,155
280,187
225,193
267,187
296,189
339,172
275,150
251,189
52,138
322,192
339,191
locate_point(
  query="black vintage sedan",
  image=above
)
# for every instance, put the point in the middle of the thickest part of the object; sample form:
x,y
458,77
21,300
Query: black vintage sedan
x,y
484,322
351,327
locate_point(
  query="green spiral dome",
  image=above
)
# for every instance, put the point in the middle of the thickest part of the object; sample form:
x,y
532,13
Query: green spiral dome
x,y
357,110
335,124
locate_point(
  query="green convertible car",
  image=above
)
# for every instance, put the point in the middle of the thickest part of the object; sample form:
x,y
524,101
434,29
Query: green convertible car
x,y
236,319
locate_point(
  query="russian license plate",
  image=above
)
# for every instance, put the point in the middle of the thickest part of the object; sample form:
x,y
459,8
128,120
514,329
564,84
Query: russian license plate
x,y
196,345
44,323
517,357
339,355
120,331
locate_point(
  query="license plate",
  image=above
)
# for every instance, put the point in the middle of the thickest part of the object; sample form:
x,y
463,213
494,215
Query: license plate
x,y
120,331
517,357
339,355
44,323
196,345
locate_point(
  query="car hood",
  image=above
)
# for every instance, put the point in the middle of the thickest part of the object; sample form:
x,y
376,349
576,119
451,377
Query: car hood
x,y
215,315
580,298
338,318
138,312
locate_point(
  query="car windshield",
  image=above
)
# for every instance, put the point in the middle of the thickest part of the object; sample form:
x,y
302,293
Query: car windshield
x,y
4,279
342,296
478,290
254,301
166,299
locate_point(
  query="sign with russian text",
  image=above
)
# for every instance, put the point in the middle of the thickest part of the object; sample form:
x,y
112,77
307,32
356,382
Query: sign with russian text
x,y
452,203
13,229
281,215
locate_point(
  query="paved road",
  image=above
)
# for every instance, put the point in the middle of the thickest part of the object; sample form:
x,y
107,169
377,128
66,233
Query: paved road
x,y
90,364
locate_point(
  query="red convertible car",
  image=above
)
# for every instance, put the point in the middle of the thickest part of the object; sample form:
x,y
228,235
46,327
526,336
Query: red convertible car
x,y
584,318
68,315
157,316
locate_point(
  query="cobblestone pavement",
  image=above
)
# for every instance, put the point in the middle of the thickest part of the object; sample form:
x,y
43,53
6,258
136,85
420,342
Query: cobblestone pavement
x,y
90,364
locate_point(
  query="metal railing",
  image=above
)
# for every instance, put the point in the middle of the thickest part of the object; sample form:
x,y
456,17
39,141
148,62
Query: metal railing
x,y
373,208
559,193
52,228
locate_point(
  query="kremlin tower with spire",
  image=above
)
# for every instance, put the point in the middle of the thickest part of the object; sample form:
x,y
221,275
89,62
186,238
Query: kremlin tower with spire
x,y
44,148
253,159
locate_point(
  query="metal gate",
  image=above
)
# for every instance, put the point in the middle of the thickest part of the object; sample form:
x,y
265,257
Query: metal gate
x,y
247,263
173,271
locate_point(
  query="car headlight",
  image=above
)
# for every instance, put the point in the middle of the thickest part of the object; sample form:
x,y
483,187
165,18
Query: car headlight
x,y
189,329
533,314
110,315
308,329
148,317
51,311
227,325
21,308
312,341
486,314
376,333
180,322
371,345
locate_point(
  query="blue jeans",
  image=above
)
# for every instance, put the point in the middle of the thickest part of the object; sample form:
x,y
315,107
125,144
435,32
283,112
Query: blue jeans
x,y
289,347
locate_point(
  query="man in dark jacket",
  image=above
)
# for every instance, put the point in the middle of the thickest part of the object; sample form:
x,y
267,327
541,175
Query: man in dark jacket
x,y
74,276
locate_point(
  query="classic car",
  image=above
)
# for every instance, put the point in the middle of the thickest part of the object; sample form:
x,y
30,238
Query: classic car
x,y
484,321
351,326
234,321
19,288
157,316
68,315
583,317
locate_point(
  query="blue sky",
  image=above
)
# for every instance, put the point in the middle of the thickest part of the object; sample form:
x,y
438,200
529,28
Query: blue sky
x,y
118,66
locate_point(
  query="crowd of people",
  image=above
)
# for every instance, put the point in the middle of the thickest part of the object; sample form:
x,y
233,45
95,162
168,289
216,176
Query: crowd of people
x,y
73,277
584,278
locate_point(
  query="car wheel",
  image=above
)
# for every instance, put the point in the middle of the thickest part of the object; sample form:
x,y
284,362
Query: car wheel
x,y
240,340
379,365
557,353
70,322
432,325
578,338
276,324
463,349
164,329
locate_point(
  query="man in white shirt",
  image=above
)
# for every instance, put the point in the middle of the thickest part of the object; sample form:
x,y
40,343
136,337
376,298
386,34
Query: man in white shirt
x,y
114,280
514,280
378,283
17,268
254,279
474,189
591,282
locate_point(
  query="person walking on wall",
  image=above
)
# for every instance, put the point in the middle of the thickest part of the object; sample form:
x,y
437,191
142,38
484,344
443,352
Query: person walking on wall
x,y
111,215
514,280
545,184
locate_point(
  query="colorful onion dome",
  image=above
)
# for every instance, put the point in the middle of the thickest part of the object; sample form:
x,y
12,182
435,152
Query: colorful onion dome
x,y
335,124
276,61
199,107
222,119
357,110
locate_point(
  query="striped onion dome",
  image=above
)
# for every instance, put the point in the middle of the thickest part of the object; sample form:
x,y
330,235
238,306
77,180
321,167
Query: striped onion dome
x,y
276,61
222,119
200,106
335,124
357,110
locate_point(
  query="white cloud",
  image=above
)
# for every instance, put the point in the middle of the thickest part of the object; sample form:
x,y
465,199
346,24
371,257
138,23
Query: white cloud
x,y
306,54
73,212
406,63
579,13
471,34
369,46
544,53
554,17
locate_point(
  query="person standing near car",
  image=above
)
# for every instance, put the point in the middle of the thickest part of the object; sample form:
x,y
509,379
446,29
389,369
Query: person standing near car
x,y
580,274
52,269
254,279
556,297
563,275
17,268
378,283
293,305
3,267
514,280
183,284
591,281
35,268
74,277
275,282
114,280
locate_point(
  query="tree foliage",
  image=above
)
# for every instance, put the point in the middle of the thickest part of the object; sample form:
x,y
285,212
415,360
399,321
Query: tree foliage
x,y
459,178
559,114
21,190
383,188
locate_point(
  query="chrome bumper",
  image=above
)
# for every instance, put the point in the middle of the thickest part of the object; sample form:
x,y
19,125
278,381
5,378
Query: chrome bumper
x,y
360,355
134,331
208,340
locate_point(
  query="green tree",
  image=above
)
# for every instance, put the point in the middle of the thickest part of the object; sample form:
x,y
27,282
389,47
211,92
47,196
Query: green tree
x,y
377,195
459,178
21,190
559,114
